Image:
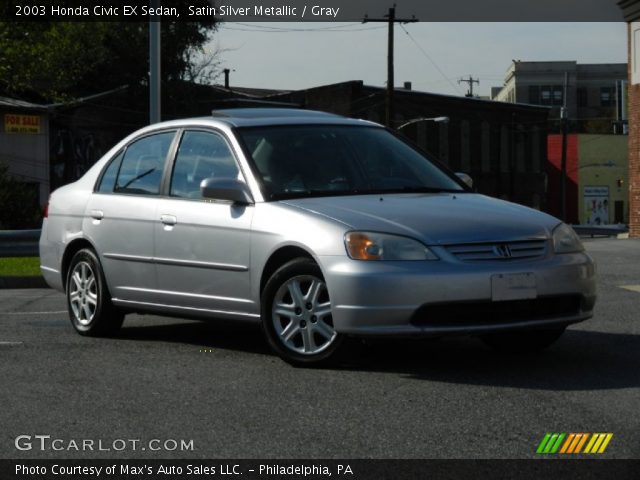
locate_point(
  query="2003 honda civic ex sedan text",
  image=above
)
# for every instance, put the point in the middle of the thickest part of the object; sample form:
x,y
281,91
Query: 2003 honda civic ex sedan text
x,y
317,226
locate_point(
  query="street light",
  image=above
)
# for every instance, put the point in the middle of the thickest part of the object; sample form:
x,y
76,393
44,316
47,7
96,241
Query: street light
x,y
423,119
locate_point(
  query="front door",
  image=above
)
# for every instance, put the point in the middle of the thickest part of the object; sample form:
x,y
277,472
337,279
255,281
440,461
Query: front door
x,y
203,246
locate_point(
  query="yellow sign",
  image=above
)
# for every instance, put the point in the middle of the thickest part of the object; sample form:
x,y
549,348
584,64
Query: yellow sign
x,y
15,123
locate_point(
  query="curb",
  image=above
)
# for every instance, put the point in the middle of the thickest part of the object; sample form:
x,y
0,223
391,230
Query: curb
x,y
23,282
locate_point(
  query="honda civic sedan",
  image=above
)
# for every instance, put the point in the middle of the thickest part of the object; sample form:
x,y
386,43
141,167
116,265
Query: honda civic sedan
x,y
317,227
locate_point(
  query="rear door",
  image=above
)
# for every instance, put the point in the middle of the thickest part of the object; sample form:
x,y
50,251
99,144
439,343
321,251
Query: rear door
x,y
121,216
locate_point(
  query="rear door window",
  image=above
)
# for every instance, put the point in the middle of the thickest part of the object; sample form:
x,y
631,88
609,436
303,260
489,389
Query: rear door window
x,y
143,164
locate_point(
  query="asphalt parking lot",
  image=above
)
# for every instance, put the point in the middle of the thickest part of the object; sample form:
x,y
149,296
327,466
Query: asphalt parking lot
x,y
219,385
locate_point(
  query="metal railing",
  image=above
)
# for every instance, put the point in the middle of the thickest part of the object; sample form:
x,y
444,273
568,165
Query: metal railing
x,y
19,243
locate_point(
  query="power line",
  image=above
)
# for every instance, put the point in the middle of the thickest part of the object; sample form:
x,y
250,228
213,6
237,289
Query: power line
x,y
431,60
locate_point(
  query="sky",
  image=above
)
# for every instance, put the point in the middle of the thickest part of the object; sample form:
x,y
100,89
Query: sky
x,y
433,56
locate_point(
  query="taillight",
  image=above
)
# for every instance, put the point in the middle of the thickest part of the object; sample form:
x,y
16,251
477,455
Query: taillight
x,y
45,214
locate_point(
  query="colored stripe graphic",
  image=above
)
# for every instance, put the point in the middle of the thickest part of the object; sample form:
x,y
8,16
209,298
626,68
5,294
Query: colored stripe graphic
x,y
543,443
582,441
550,443
598,443
573,443
567,442
604,445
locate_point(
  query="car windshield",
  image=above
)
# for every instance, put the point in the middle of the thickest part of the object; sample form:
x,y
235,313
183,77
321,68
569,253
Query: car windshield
x,y
321,160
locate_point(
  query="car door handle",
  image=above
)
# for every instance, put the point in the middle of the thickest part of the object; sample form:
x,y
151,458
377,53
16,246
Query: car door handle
x,y
97,214
168,219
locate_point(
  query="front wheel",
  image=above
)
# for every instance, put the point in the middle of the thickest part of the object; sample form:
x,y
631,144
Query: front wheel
x,y
296,315
527,341
88,299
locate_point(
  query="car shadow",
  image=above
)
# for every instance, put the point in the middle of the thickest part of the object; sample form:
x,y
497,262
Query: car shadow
x,y
580,360
221,334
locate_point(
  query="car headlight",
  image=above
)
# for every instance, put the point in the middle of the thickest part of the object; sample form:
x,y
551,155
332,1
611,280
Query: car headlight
x,y
382,246
565,240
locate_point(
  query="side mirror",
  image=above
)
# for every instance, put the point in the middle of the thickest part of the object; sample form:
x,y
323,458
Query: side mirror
x,y
465,178
228,189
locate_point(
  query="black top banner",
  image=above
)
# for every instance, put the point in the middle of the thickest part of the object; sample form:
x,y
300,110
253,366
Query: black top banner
x,y
313,10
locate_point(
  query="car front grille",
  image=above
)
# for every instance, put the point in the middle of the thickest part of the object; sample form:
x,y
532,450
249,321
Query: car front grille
x,y
492,313
499,251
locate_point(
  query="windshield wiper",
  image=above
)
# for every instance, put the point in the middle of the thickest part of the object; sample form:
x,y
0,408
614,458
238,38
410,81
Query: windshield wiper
x,y
311,193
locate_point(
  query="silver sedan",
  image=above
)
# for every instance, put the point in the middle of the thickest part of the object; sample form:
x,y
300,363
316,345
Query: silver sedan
x,y
318,227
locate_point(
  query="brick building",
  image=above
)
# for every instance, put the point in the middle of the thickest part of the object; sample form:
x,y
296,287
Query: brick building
x,y
631,11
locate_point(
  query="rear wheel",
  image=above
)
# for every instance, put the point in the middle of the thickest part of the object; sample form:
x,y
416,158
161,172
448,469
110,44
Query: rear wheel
x,y
523,342
296,315
88,299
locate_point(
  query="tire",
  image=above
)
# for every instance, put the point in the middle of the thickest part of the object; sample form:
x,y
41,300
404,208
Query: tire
x,y
88,299
296,315
527,341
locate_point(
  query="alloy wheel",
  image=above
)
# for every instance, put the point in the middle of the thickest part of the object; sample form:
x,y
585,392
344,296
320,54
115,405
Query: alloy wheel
x,y
301,315
83,295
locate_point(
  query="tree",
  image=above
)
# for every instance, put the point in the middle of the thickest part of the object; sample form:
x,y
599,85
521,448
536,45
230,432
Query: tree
x,y
55,61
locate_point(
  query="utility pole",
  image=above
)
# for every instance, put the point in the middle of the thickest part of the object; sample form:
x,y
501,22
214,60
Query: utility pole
x,y
390,19
563,160
154,66
470,81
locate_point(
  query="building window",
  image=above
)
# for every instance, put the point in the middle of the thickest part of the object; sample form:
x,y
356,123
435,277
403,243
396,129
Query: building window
x,y
557,95
607,96
546,95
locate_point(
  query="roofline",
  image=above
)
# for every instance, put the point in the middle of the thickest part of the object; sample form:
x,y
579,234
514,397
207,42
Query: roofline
x,y
465,99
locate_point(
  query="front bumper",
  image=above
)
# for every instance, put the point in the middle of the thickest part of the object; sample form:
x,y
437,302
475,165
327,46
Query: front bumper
x,y
434,298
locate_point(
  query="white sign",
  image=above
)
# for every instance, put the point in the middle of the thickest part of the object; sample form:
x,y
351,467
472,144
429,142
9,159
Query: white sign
x,y
596,204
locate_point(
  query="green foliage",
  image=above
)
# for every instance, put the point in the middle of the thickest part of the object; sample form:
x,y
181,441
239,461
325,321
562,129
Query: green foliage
x,y
18,203
59,60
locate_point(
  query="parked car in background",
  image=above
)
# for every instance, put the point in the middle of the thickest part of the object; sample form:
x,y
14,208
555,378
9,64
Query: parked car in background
x,y
318,227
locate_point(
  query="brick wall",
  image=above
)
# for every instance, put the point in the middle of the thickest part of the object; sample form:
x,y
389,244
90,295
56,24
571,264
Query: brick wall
x,y
634,155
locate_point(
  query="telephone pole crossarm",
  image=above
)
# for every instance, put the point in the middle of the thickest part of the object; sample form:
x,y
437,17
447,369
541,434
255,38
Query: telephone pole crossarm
x,y
470,81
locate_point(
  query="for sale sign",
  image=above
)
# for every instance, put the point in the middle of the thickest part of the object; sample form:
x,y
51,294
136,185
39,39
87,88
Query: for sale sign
x,y
15,123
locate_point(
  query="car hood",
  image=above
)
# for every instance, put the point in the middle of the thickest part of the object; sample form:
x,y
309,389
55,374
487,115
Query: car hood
x,y
436,219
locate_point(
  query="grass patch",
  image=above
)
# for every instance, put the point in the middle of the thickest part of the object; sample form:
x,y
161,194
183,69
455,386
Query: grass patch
x,y
20,267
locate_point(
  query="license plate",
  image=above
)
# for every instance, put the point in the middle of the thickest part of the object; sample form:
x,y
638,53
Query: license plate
x,y
513,286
